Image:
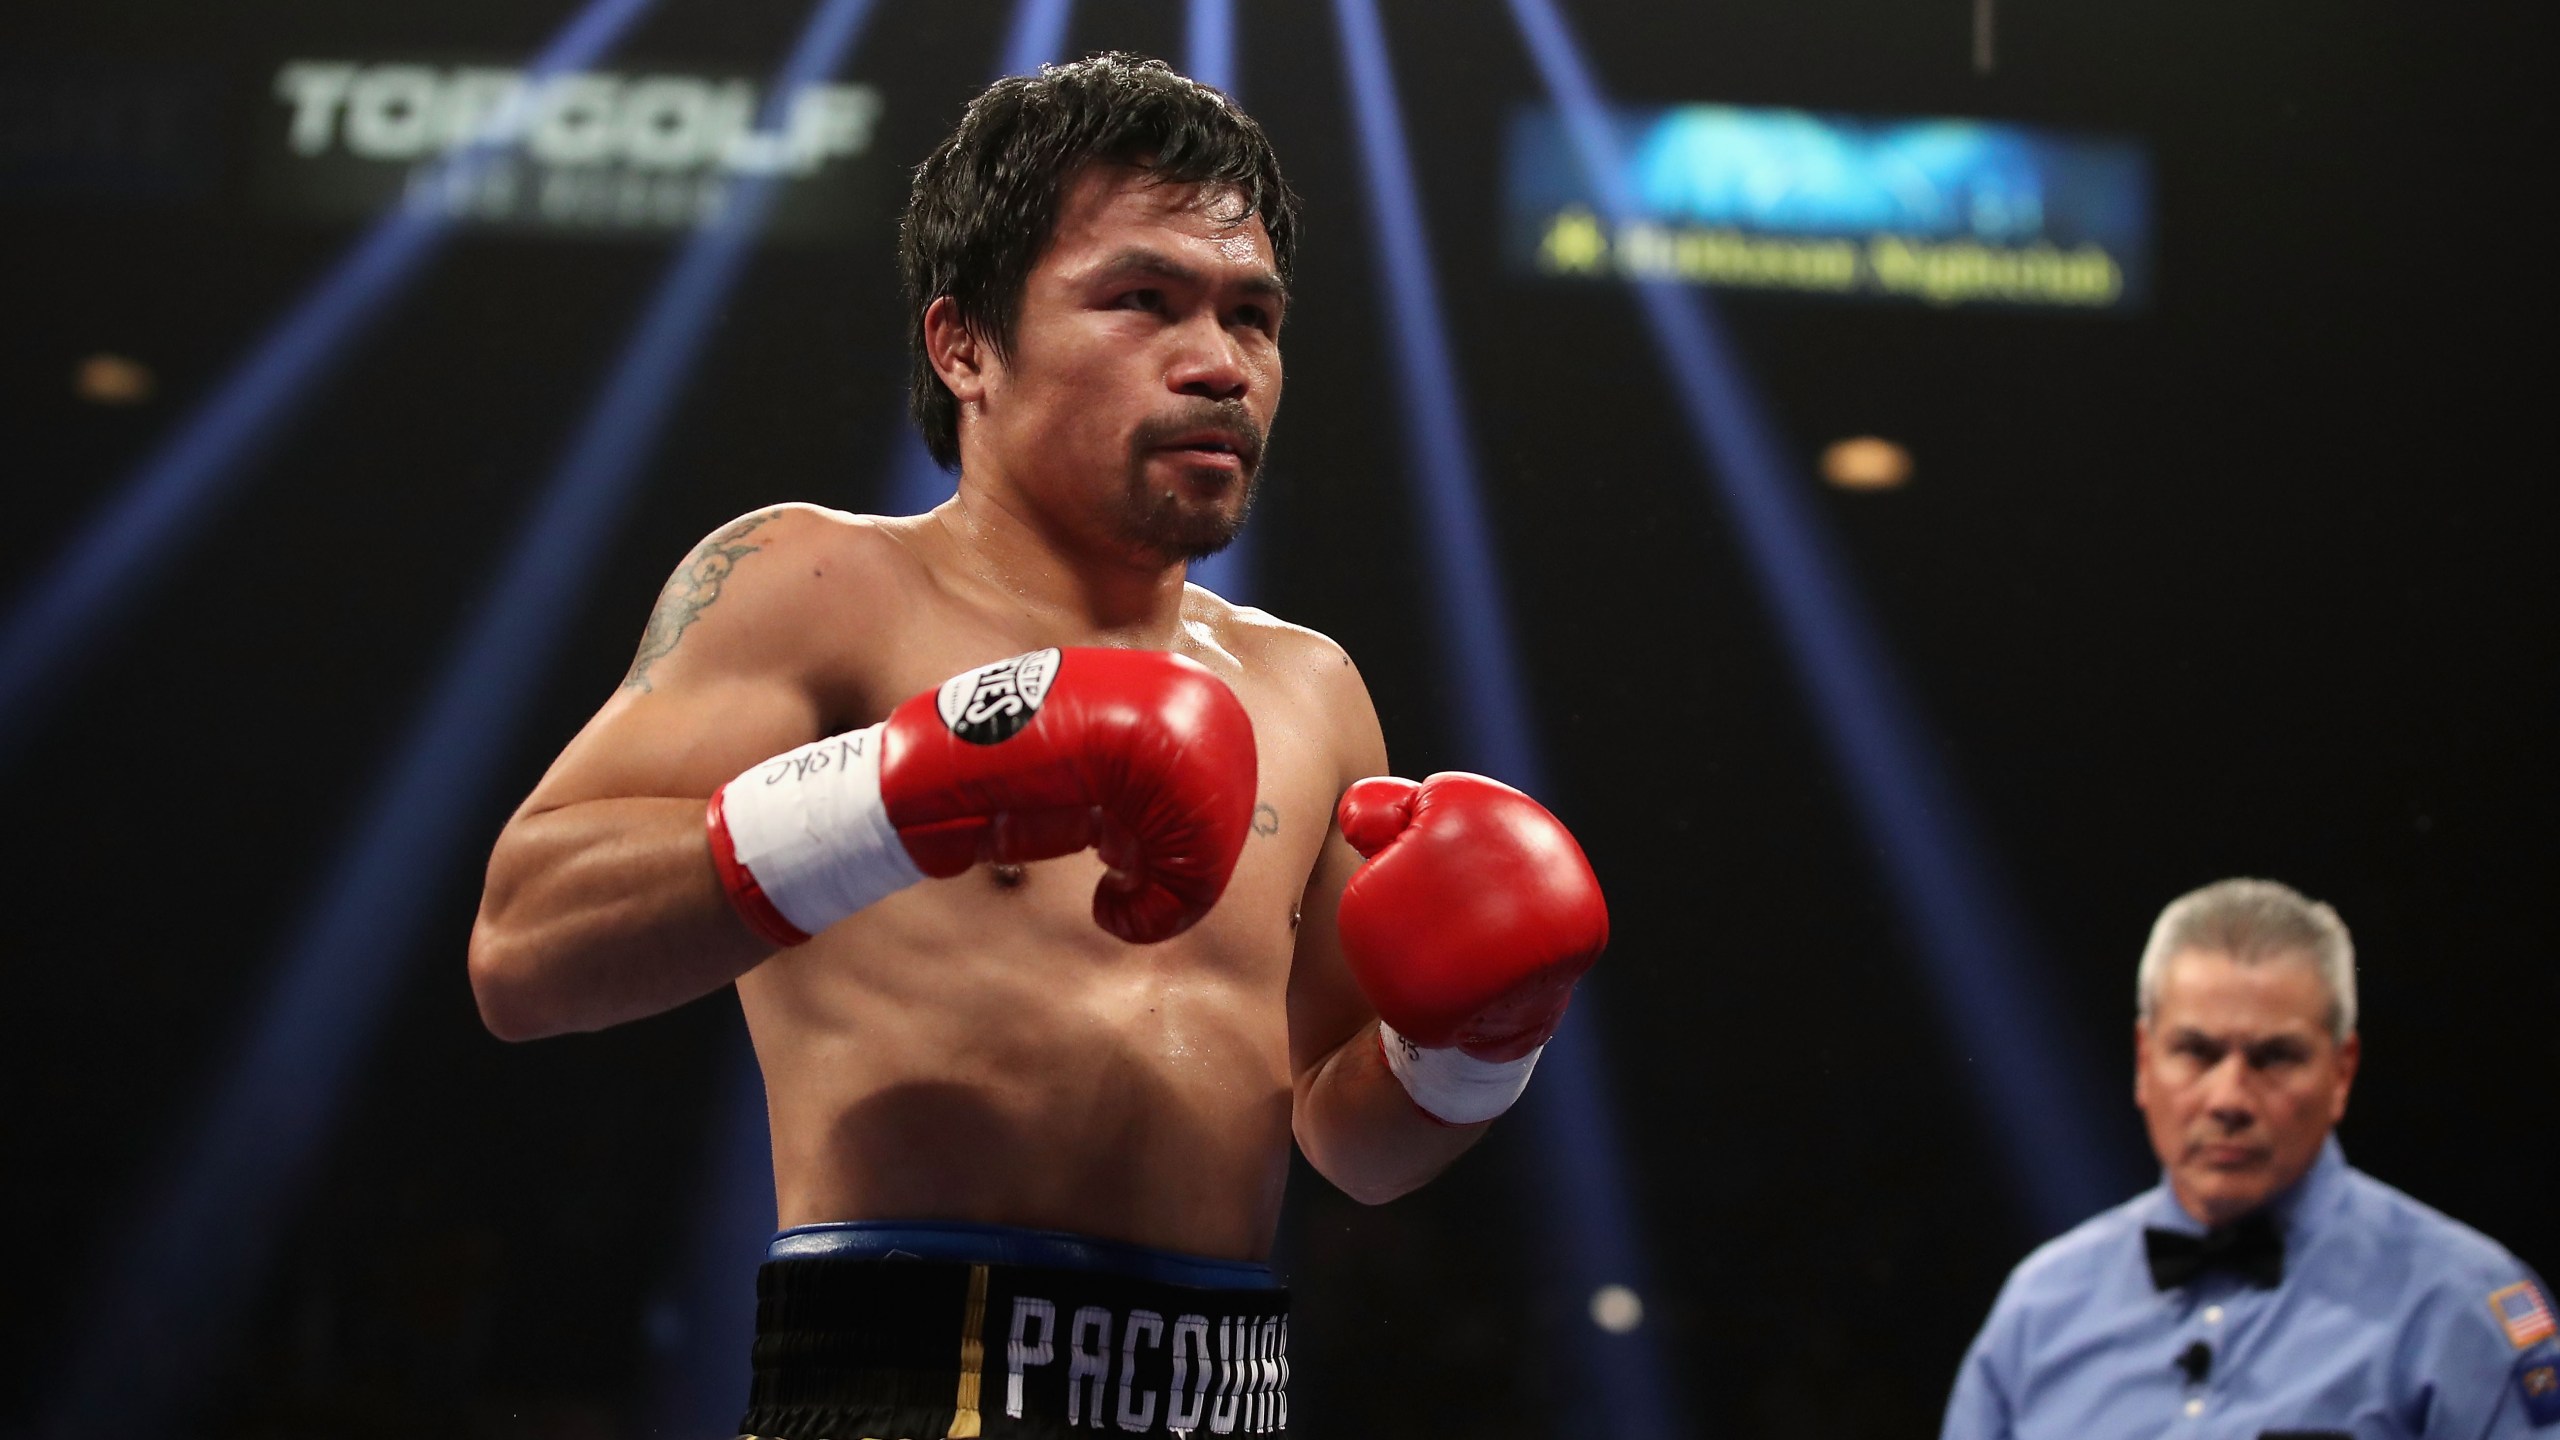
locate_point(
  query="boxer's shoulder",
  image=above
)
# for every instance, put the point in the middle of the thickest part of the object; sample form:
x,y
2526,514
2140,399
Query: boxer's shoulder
x,y
768,592
808,549
793,553
1267,652
1285,673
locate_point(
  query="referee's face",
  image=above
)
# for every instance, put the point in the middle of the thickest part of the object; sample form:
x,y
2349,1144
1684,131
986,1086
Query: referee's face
x,y
2238,1078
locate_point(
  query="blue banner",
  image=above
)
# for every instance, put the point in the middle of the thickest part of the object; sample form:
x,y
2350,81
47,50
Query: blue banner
x,y
1945,212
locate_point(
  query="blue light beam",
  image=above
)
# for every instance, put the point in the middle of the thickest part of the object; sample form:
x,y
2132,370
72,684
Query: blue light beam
x,y
107,567
1989,993
181,1274
1209,44
1489,699
1582,1172
1038,35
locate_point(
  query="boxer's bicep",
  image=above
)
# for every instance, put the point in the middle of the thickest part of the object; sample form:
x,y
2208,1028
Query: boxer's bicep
x,y
713,688
678,742
601,902
1326,1008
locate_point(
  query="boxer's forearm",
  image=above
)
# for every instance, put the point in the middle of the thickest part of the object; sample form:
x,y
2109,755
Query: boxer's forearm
x,y
1361,1130
601,912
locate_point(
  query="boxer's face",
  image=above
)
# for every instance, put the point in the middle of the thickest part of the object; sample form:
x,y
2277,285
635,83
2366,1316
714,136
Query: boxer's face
x,y
2238,1078
1145,368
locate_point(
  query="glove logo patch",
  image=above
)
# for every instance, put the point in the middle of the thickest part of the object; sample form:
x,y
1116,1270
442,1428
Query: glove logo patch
x,y
992,703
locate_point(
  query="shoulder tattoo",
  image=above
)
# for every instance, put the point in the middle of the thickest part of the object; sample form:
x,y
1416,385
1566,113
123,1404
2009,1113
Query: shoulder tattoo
x,y
689,592
1266,820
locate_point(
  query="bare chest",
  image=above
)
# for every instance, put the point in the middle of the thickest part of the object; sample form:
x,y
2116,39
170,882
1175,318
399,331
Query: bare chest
x,y
1253,928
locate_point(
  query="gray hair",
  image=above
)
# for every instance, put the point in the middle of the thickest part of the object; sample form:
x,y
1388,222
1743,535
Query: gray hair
x,y
2253,921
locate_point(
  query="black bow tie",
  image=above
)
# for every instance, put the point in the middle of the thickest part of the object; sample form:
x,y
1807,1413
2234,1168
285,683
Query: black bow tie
x,y
2252,1249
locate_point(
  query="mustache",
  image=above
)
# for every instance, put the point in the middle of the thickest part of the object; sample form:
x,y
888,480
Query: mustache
x,y
1229,417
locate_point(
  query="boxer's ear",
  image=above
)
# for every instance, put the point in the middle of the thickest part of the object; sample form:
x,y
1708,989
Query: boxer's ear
x,y
956,354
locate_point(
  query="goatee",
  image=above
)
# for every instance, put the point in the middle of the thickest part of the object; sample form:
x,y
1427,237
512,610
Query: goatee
x,y
1169,523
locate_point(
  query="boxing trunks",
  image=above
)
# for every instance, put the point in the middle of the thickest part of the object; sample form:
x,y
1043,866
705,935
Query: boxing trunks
x,y
921,1331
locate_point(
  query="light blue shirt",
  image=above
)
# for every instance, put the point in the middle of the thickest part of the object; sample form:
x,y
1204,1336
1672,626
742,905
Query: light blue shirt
x,y
2393,1320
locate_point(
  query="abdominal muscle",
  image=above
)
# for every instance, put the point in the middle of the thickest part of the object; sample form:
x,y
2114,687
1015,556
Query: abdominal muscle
x,y
976,1049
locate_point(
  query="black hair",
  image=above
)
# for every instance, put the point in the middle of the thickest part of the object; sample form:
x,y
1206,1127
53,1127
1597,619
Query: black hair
x,y
985,203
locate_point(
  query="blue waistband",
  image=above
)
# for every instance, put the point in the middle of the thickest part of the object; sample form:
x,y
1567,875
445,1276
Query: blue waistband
x,y
964,1243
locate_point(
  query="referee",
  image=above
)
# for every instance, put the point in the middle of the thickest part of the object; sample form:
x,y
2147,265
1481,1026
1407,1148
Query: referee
x,y
2265,1288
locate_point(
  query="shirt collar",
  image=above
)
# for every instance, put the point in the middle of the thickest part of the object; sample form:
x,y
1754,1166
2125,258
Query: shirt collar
x,y
2309,1202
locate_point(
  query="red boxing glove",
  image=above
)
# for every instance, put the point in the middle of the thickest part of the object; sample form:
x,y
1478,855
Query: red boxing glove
x,y
1145,754
1467,929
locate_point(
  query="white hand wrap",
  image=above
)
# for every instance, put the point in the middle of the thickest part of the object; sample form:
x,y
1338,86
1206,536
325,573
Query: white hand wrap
x,y
1452,1086
810,826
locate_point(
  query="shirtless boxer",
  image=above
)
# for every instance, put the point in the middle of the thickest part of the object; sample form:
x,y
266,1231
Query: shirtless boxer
x,y
1031,1120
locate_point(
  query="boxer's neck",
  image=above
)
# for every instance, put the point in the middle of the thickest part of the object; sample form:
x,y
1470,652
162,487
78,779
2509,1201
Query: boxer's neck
x,y
1095,591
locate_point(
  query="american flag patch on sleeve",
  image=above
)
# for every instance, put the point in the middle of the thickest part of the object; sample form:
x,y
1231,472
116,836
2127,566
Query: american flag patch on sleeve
x,y
2523,1313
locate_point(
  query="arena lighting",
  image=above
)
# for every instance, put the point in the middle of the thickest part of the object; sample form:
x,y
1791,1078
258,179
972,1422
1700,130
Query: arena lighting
x,y
182,1273
1865,462
710,1323
106,566
105,379
1037,37
1209,44
1592,1223
2040,1107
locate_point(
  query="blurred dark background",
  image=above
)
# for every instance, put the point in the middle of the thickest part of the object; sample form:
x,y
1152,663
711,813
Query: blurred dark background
x,y
2256,579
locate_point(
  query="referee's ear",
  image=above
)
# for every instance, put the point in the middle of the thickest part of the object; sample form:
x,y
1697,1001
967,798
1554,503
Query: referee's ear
x,y
2350,1055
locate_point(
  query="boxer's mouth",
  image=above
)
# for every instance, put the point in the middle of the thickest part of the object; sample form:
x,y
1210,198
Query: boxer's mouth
x,y
1222,447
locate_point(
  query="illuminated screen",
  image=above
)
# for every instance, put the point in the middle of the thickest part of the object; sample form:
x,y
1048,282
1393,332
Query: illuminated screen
x,y
1945,212
594,153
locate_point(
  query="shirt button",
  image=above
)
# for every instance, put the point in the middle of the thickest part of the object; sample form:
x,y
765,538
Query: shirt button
x,y
2213,1314
2194,1408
